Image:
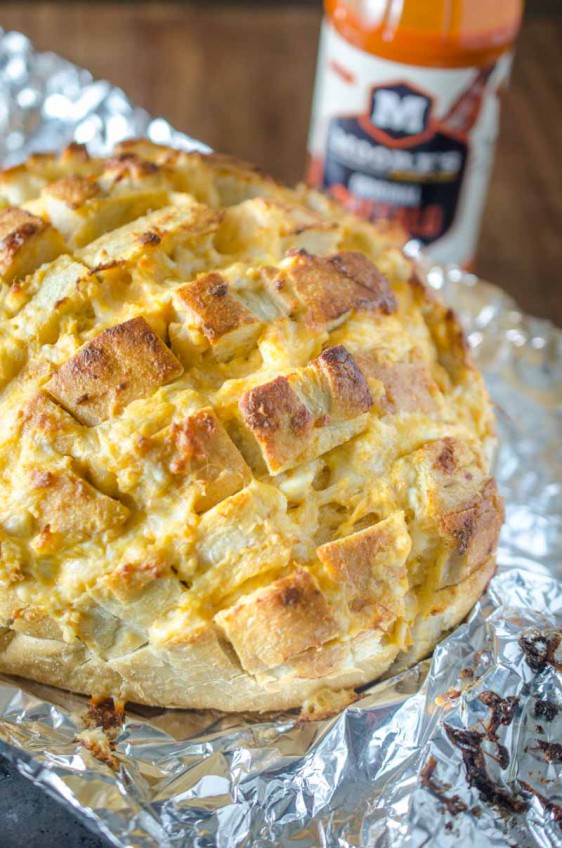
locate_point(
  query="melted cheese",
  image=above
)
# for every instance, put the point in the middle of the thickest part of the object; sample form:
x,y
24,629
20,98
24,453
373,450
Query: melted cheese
x,y
252,405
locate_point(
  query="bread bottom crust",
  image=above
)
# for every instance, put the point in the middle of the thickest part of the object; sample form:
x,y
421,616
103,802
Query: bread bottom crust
x,y
211,679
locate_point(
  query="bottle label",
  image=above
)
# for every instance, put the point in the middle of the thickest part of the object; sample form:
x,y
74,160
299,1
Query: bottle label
x,y
400,141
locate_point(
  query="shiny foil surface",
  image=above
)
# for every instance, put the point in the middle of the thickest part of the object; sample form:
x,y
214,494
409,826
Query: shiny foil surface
x,y
461,750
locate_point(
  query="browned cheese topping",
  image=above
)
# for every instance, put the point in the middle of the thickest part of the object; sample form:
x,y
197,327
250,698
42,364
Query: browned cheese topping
x,y
244,452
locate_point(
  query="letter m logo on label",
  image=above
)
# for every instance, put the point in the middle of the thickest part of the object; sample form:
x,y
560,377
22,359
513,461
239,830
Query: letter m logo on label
x,y
399,114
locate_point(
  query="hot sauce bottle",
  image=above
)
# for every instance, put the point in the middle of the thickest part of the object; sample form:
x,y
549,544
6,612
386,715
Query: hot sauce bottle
x,y
406,112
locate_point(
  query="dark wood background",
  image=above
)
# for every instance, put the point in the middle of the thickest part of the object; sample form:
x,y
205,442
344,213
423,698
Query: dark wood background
x,y
240,77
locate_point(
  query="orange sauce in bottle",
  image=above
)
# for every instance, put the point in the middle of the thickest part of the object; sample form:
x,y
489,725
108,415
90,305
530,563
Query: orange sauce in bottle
x,y
406,112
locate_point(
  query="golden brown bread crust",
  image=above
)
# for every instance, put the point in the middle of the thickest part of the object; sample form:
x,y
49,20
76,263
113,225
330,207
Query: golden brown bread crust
x,y
26,242
348,389
289,431
218,312
66,506
328,288
371,565
279,420
278,622
73,190
227,326
123,363
244,453
204,671
408,386
201,449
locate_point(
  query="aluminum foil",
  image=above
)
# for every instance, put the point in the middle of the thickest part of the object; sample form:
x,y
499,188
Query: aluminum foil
x,y
47,102
460,750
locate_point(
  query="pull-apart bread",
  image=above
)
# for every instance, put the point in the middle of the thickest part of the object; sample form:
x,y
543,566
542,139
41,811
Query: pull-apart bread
x,y
244,454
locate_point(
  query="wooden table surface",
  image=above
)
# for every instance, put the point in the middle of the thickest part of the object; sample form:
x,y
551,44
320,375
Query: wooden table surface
x,y
240,77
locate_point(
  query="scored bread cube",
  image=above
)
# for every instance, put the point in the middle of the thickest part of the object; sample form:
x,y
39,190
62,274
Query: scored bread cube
x,y
82,211
473,532
213,178
264,227
241,537
124,363
60,289
43,419
213,317
183,223
186,171
65,505
269,626
20,184
324,290
127,172
73,191
447,334
373,238
202,452
448,487
408,386
26,242
24,182
279,421
136,585
344,393
371,566
443,476
297,418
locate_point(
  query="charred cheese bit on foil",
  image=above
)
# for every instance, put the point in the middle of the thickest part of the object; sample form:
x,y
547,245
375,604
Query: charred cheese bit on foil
x,y
244,452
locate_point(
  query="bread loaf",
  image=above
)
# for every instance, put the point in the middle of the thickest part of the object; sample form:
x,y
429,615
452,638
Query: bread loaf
x,y
244,452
